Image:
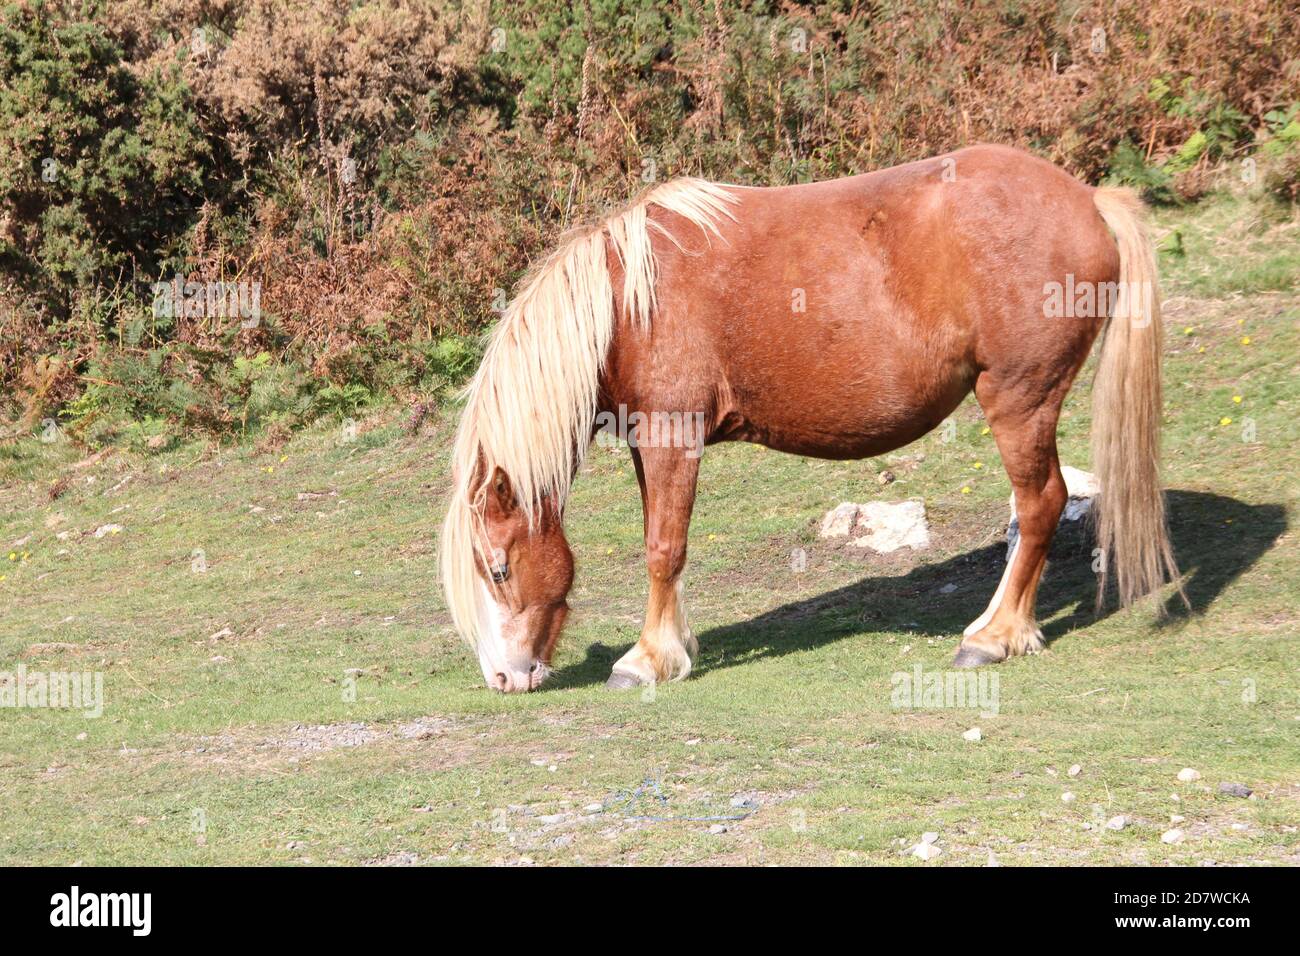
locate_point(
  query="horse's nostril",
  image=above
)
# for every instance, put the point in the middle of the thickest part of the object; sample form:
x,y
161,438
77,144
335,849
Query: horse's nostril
x,y
501,681
533,669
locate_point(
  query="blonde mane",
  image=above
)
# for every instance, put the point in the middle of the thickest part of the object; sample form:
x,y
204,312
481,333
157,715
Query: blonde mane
x,y
530,408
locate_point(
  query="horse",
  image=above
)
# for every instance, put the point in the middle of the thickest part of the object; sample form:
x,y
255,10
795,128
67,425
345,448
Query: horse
x,y
840,319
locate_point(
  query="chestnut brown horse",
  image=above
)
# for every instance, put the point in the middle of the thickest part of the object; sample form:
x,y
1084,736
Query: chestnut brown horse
x,y
839,319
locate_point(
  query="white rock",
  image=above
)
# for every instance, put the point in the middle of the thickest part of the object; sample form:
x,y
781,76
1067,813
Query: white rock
x,y
929,837
992,860
893,525
1075,770
104,529
926,851
947,589
839,521
972,735
1176,818
1188,775
1067,797
593,807
1081,486
1116,823
1172,836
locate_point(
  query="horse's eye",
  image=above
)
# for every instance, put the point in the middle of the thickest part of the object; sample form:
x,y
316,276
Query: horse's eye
x,y
499,569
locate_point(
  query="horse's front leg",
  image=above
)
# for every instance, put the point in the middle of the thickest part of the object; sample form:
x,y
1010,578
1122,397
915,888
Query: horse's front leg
x,y
667,649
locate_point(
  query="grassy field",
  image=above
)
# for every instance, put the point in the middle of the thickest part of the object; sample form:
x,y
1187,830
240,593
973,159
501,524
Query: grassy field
x,y
281,684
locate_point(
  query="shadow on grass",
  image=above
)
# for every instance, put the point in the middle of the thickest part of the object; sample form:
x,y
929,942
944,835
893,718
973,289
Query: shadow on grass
x,y
1216,540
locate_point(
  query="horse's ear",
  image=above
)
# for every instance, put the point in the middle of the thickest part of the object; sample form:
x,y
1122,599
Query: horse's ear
x,y
502,492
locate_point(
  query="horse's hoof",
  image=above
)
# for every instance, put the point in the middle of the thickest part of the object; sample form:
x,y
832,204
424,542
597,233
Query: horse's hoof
x,y
968,655
622,680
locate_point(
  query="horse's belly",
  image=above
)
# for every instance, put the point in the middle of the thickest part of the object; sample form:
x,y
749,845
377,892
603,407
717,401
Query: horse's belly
x,y
830,410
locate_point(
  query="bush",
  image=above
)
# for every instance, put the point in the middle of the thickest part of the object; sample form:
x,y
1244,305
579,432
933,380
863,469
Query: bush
x,y
384,170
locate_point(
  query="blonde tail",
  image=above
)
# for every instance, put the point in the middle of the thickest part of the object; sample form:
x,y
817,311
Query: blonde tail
x,y
1126,415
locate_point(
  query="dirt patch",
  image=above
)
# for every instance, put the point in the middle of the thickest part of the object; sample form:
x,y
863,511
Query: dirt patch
x,y
249,751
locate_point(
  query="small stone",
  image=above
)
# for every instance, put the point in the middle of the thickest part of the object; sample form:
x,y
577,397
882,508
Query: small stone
x,y
893,525
104,529
1172,836
593,807
1087,825
551,818
947,589
1116,823
1051,771
972,735
925,851
929,837
1240,826
885,477
1176,818
1075,770
839,521
717,828
1188,775
1235,790
992,860
1067,797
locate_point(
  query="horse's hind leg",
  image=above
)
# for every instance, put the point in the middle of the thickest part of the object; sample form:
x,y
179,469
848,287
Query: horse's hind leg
x,y
1025,430
667,649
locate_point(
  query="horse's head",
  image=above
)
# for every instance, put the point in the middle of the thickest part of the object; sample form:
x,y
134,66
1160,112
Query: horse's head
x,y
524,575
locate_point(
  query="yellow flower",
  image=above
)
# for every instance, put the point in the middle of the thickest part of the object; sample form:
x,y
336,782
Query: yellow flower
x,y
1245,340
1225,420
26,555
965,489
1236,399
270,468
1187,331
13,555
985,430
284,458
978,465
712,537
1201,349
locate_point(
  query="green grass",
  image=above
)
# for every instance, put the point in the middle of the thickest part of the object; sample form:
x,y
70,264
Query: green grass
x,y
250,747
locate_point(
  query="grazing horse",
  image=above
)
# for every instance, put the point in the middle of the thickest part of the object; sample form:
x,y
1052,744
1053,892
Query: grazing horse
x,y
838,319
